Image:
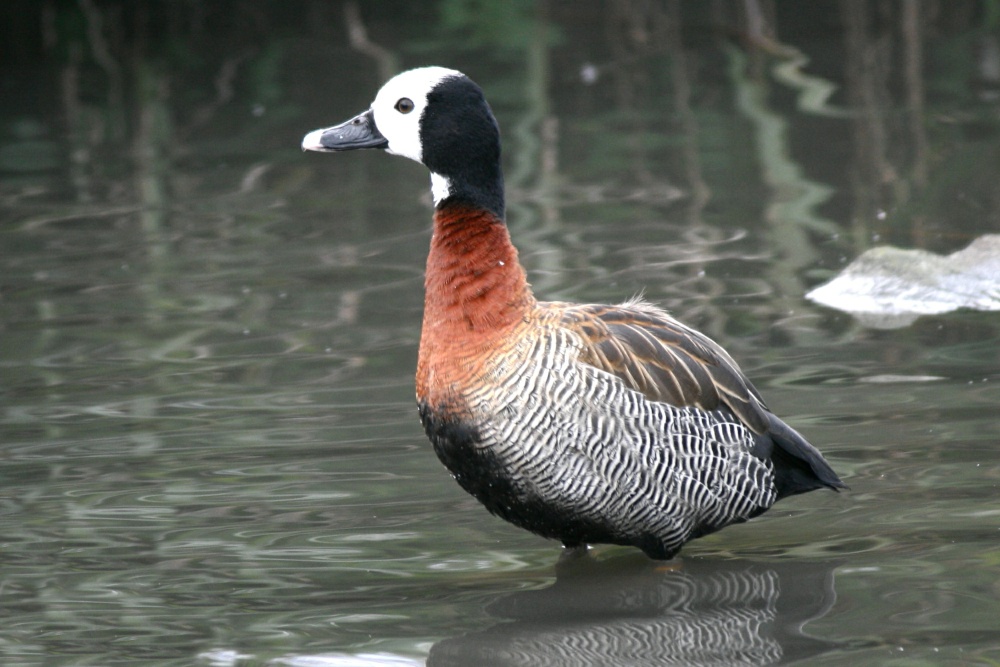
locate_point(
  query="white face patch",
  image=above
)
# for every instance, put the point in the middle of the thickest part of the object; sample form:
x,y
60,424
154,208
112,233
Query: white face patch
x,y
399,106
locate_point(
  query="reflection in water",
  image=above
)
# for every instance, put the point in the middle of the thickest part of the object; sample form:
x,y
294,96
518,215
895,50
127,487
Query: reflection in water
x,y
632,611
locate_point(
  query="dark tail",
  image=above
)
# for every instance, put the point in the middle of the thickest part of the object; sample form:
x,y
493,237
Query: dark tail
x,y
798,466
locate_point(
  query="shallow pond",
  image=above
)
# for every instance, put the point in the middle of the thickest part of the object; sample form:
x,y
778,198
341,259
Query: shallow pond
x,y
210,448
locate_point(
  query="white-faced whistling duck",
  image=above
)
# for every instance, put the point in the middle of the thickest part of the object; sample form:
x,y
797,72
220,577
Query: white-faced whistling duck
x,y
580,422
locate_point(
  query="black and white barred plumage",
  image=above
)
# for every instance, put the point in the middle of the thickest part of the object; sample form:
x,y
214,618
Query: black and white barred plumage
x,y
585,457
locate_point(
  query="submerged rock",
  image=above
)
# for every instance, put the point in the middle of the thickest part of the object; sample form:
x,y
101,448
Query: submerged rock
x,y
889,287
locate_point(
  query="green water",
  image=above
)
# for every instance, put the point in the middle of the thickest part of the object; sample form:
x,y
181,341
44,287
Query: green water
x,y
210,448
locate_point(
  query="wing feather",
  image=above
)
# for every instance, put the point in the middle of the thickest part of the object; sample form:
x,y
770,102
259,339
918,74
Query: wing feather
x,y
666,361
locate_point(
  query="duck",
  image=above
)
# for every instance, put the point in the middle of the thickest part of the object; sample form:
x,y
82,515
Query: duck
x,y
584,423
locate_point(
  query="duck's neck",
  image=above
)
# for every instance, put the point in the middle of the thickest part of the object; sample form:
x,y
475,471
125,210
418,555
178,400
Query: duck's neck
x,y
474,287
476,292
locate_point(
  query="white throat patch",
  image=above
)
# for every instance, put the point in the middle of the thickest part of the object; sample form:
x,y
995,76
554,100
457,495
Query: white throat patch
x,y
440,188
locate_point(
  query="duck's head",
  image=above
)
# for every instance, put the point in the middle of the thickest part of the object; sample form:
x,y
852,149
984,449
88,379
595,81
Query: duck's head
x,y
438,117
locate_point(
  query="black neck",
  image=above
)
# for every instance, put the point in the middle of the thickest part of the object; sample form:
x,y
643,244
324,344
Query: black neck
x,y
461,142
482,191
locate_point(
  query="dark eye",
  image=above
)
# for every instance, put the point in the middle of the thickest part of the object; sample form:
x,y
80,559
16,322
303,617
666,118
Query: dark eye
x,y
404,105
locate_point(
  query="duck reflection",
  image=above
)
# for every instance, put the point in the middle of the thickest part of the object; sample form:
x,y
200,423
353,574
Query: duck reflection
x,y
632,611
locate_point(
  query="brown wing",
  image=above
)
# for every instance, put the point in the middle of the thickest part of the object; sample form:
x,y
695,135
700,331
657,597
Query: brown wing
x,y
655,354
